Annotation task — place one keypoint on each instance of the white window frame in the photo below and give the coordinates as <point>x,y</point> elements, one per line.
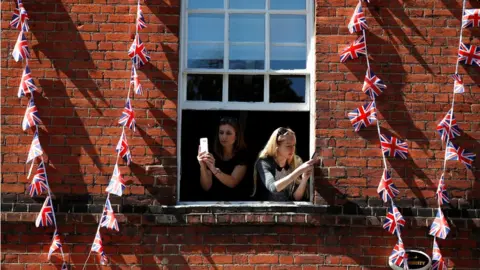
<point>309,72</point>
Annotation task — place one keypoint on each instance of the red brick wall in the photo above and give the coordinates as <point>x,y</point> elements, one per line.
<point>80,63</point>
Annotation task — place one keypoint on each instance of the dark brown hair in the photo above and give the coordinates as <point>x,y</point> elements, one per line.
<point>239,141</point>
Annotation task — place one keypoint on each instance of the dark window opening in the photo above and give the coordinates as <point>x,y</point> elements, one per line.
<point>257,126</point>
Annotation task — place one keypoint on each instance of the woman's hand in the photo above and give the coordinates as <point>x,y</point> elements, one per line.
<point>307,174</point>
<point>209,162</point>
<point>200,158</point>
<point>305,167</point>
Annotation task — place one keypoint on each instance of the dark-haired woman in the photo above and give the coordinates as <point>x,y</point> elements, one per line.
<point>222,171</point>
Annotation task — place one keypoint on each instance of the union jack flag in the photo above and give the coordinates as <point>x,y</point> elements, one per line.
<point>27,86</point>
<point>373,85</point>
<point>56,244</point>
<point>137,87</point>
<point>470,54</point>
<point>363,116</point>
<point>20,18</point>
<point>393,147</point>
<point>21,51</point>
<point>438,263</point>
<point>394,220</point>
<point>138,52</point>
<point>39,181</point>
<point>98,245</point>
<point>354,50</point>
<point>45,218</point>
<point>357,22</point>
<point>471,18</point>
<point>117,183</point>
<point>458,86</point>
<point>140,19</point>
<point>31,117</point>
<point>446,128</point>
<point>442,195</point>
<point>459,153</point>
<point>386,188</point>
<point>122,147</point>
<point>128,116</point>
<point>35,148</point>
<point>398,256</point>
<point>108,219</point>
<point>439,226</point>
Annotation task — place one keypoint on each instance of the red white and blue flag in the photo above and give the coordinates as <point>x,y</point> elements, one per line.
<point>20,18</point>
<point>354,50</point>
<point>27,86</point>
<point>438,263</point>
<point>31,117</point>
<point>21,51</point>
<point>56,244</point>
<point>398,256</point>
<point>123,149</point>
<point>138,52</point>
<point>39,181</point>
<point>469,54</point>
<point>35,148</point>
<point>108,219</point>
<point>358,22</point>
<point>117,183</point>
<point>363,116</point>
<point>141,24</point>
<point>128,116</point>
<point>439,226</point>
<point>45,218</point>
<point>448,127</point>
<point>393,147</point>
<point>137,87</point>
<point>373,85</point>
<point>98,244</point>
<point>458,87</point>
<point>459,153</point>
<point>471,18</point>
<point>386,188</point>
<point>394,221</point>
<point>442,195</point>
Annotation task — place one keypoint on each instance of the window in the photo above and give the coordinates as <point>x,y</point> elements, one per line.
<point>252,59</point>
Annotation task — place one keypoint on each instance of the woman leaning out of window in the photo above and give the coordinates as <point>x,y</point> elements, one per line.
<point>282,174</point>
<point>222,170</point>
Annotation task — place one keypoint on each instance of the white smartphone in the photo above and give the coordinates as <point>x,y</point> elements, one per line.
<point>203,145</point>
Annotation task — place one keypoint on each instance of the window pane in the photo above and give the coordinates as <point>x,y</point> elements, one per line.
<point>287,89</point>
<point>245,88</point>
<point>287,4</point>
<point>204,87</point>
<point>206,27</point>
<point>205,4</point>
<point>288,57</point>
<point>288,28</point>
<point>247,28</point>
<point>250,4</point>
<point>247,56</point>
<point>205,55</point>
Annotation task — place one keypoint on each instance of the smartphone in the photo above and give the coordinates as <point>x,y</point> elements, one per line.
<point>203,145</point>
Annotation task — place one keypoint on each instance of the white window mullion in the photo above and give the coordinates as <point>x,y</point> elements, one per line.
<point>226,53</point>
<point>266,78</point>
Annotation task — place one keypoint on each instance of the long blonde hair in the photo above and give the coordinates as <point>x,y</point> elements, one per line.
<point>270,150</point>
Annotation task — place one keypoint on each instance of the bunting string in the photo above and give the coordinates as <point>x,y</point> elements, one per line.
<point>449,130</point>
<point>39,185</point>
<point>116,186</point>
<point>390,146</point>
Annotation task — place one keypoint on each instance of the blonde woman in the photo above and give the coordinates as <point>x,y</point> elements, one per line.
<point>279,173</point>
